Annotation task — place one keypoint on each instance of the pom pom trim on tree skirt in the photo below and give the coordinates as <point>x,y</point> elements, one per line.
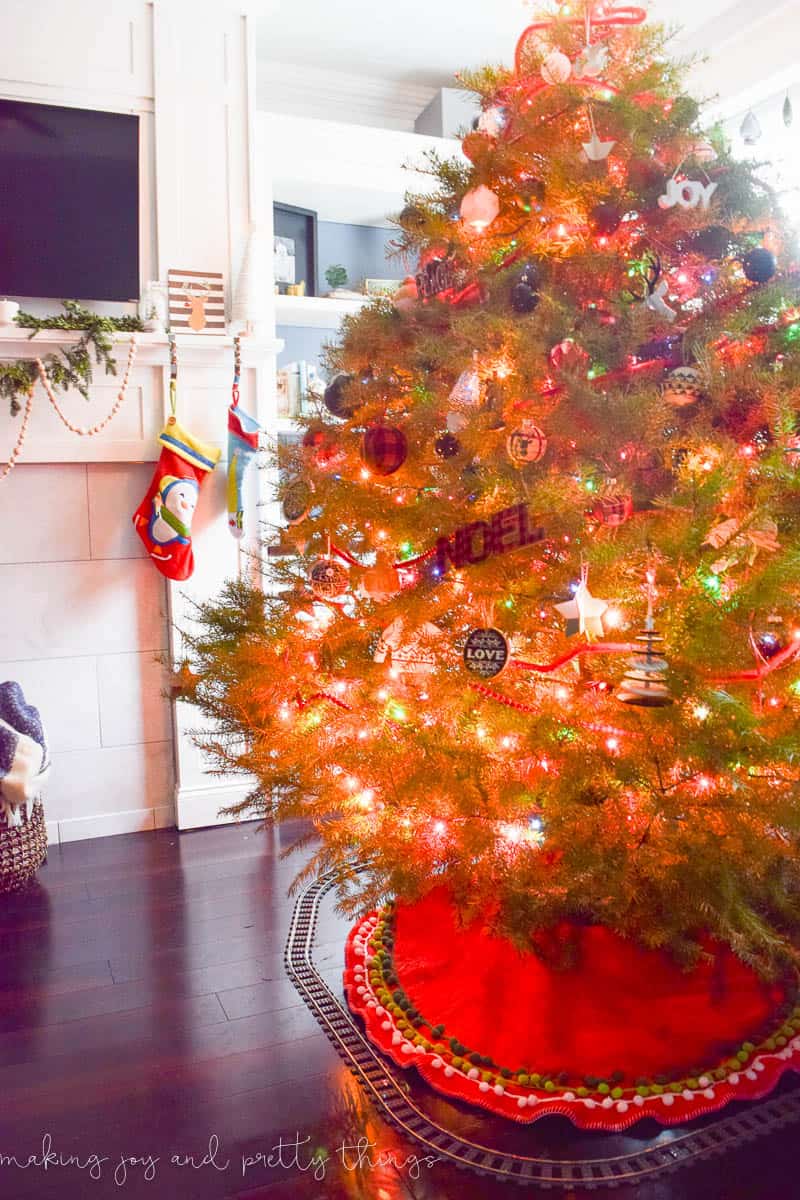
<point>373,981</point>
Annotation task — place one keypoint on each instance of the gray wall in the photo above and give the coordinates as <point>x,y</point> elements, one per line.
<point>361,250</point>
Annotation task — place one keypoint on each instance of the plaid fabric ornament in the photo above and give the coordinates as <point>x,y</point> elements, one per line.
<point>384,449</point>
<point>613,510</point>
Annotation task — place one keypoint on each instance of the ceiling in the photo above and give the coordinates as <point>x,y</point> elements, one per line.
<point>424,42</point>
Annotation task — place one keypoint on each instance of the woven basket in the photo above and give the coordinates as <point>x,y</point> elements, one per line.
<point>23,849</point>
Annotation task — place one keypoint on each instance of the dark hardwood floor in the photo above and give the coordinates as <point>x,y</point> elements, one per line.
<point>145,1012</point>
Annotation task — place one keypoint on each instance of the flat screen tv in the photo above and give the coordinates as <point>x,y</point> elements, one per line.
<point>69,203</point>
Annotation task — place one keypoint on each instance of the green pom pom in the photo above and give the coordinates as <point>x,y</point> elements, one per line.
<point>523,1080</point>
<point>582,1092</point>
<point>536,1079</point>
<point>549,1086</point>
<point>644,1090</point>
<point>603,1089</point>
<point>616,1094</point>
<point>486,1077</point>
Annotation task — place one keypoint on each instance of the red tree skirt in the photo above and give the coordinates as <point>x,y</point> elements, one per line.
<point>621,1035</point>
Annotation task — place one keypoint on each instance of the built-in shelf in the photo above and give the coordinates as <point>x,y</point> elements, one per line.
<point>315,312</point>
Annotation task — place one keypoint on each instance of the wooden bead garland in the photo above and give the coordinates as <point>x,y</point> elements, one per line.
<point>15,453</point>
<point>101,425</point>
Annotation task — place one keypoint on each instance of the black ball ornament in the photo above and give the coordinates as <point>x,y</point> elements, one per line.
<point>759,265</point>
<point>523,298</point>
<point>446,445</point>
<point>714,242</point>
<point>337,399</point>
<point>412,217</point>
<point>605,219</point>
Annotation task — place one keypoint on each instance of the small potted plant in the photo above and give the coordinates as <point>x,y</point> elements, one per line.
<point>336,277</point>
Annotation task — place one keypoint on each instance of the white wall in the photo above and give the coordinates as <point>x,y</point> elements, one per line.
<point>84,621</point>
<point>84,614</point>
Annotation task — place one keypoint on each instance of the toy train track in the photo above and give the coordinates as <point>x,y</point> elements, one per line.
<point>384,1086</point>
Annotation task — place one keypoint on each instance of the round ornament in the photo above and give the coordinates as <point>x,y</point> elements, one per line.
<point>296,501</point>
<point>713,242</point>
<point>380,582</point>
<point>412,217</point>
<point>759,265</point>
<point>523,298</point>
<point>527,444</point>
<point>479,208</point>
<point>447,445</point>
<point>406,295</point>
<point>322,446</point>
<point>328,579</point>
<point>613,510</point>
<point>556,68</point>
<point>384,449</point>
<point>768,643</point>
<point>683,386</point>
<point>605,219</point>
<point>493,121</point>
<point>568,356</point>
<point>336,399</point>
<point>485,652</point>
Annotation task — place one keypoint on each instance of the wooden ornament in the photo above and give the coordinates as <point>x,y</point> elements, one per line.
<point>485,652</point>
<point>527,444</point>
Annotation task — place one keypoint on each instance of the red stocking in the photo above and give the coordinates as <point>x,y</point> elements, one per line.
<point>164,518</point>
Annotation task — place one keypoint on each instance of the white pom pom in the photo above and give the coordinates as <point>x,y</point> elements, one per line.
<point>407,1048</point>
<point>570,1096</point>
<point>436,1063</point>
<point>668,1099</point>
<point>361,991</point>
<point>473,1073</point>
<point>386,1025</point>
<point>590,1103</point>
<point>758,1065</point>
<point>750,1075</point>
<point>687,1095</point>
<point>608,1102</point>
<point>704,1081</point>
<point>533,1101</point>
<point>638,1101</point>
<point>483,1086</point>
<point>499,1090</point>
<point>733,1079</point>
<point>522,1102</point>
<point>449,1071</point>
<point>397,1038</point>
<point>709,1093</point>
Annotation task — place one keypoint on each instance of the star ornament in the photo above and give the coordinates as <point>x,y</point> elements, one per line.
<point>595,150</point>
<point>584,612</point>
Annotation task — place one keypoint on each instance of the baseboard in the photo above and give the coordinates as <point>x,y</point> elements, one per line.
<point>137,820</point>
<point>199,807</point>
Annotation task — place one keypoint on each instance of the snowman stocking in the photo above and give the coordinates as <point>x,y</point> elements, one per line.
<point>243,433</point>
<point>164,518</point>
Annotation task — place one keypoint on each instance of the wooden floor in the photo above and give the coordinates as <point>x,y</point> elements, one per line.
<point>144,1011</point>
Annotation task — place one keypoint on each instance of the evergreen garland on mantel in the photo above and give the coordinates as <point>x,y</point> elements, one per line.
<point>71,366</point>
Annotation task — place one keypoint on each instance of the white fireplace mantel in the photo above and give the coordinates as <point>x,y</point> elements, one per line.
<point>187,69</point>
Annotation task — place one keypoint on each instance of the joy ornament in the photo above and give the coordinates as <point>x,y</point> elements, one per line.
<point>688,193</point>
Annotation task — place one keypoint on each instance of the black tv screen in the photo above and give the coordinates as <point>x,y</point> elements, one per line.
<point>69,203</point>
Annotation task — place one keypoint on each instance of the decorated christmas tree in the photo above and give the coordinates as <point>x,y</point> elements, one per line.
<point>532,658</point>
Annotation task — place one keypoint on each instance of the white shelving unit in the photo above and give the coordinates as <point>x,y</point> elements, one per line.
<point>315,312</point>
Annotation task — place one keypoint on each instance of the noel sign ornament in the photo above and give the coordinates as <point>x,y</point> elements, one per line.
<point>485,652</point>
<point>687,193</point>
